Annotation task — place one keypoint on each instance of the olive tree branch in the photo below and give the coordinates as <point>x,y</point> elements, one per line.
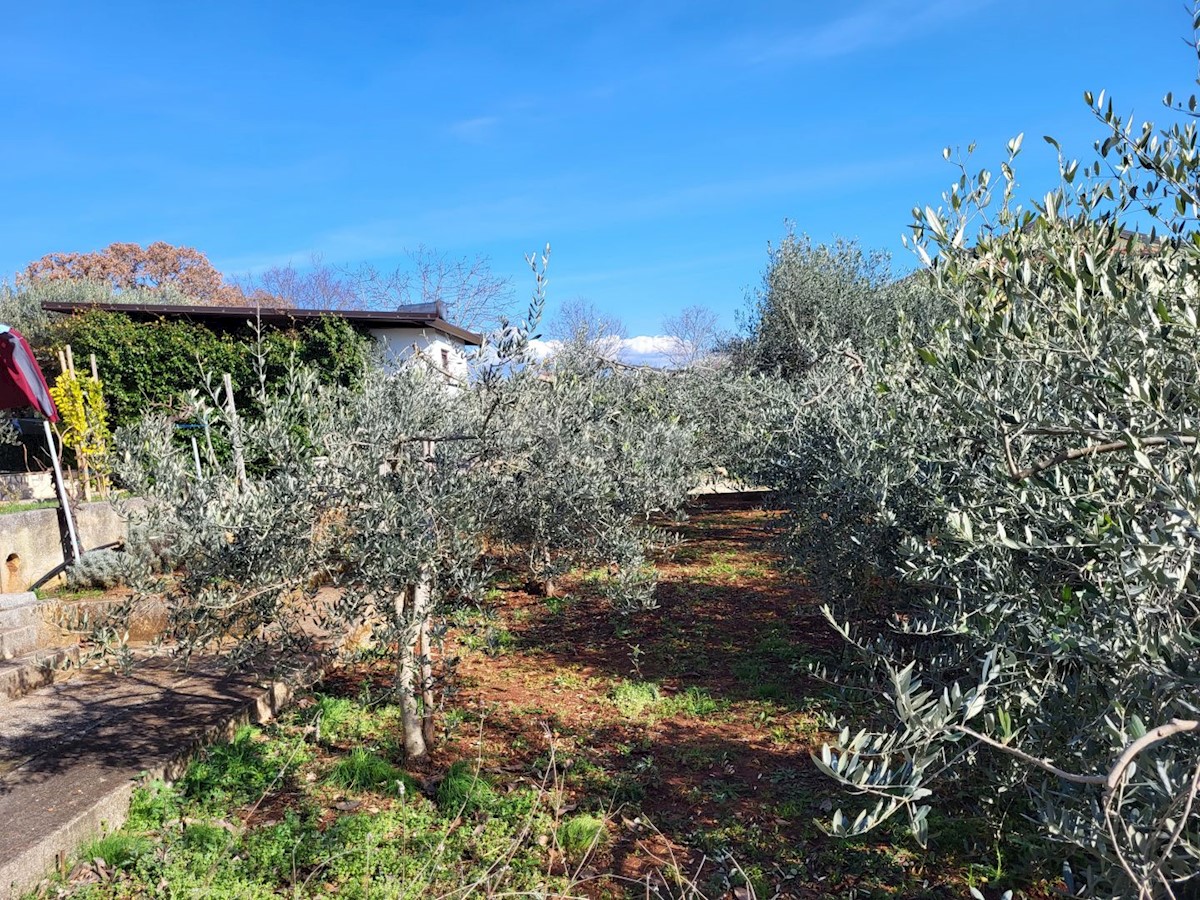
<point>1063,456</point>
<point>1110,781</point>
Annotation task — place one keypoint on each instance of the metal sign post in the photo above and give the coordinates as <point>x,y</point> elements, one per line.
<point>61,489</point>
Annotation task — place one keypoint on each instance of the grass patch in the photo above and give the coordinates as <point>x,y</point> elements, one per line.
<point>635,698</point>
<point>152,805</point>
<point>342,721</point>
<point>559,603</point>
<point>594,576</point>
<point>363,770</point>
<point>581,834</point>
<point>205,839</point>
<point>465,790</point>
<point>729,565</point>
<point>241,771</point>
<point>70,595</point>
<point>119,850</point>
<point>334,714</point>
<point>490,639</point>
<point>19,506</point>
<point>694,702</point>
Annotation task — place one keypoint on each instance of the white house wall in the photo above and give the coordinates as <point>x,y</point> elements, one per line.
<point>402,344</point>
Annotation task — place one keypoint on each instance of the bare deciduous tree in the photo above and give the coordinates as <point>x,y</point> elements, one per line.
<point>472,294</point>
<point>579,323</point>
<point>320,286</point>
<point>694,333</point>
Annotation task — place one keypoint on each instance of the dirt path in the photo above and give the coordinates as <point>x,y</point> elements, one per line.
<point>697,717</point>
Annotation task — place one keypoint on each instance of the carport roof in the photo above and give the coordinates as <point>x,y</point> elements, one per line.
<point>420,315</point>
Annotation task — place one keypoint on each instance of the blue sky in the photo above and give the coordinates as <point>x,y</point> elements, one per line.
<point>658,146</point>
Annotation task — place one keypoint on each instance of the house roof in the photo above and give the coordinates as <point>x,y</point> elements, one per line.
<point>428,316</point>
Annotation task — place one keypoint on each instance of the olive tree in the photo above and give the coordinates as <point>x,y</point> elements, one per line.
<point>338,513</point>
<point>1031,470</point>
<point>591,455</point>
<point>818,299</point>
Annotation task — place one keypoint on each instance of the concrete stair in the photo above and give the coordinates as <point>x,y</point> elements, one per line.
<point>27,673</point>
<point>19,611</point>
<point>19,641</point>
<point>72,753</point>
<point>33,650</point>
<point>73,750</point>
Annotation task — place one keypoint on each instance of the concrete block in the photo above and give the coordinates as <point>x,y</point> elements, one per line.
<point>19,641</point>
<point>27,673</point>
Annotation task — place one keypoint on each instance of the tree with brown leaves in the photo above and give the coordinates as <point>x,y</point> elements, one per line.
<point>126,266</point>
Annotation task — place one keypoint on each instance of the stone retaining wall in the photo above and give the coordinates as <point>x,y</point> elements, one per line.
<point>31,549</point>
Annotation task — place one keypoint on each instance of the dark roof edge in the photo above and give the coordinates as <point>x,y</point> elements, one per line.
<point>424,315</point>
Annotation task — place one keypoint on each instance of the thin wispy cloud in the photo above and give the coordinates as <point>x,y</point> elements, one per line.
<point>874,25</point>
<point>477,129</point>
<point>532,208</point>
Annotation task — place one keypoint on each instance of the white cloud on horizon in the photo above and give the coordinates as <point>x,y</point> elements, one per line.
<point>649,350</point>
<point>641,350</point>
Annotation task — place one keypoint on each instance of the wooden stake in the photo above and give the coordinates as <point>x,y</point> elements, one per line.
<point>424,653</point>
<point>208,444</point>
<point>235,432</point>
<point>196,456</point>
<point>95,374</point>
<point>70,360</point>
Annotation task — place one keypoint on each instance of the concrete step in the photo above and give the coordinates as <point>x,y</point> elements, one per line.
<point>20,641</point>
<point>21,616</point>
<point>26,673</point>
<point>7,601</point>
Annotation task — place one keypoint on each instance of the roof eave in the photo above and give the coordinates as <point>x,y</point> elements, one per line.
<point>423,315</point>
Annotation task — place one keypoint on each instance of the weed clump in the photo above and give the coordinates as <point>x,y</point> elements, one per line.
<point>152,805</point>
<point>118,850</point>
<point>633,698</point>
<point>694,702</point>
<point>240,771</point>
<point>337,718</point>
<point>581,834</point>
<point>363,770</point>
<point>205,840</point>
<point>465,789</point>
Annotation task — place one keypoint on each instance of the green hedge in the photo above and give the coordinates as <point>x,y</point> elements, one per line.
<point>146,365</point>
